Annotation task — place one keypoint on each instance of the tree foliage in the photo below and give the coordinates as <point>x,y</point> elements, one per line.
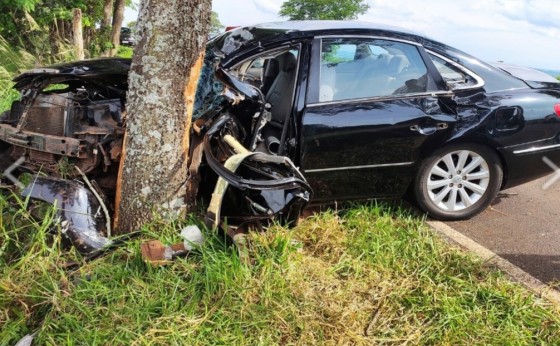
<point>323,9</point>
<point>215,24</point>
<point>44,27</point>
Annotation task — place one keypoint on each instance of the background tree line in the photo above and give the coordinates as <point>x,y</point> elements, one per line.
<point>44,27</point>
<point>323,9</point>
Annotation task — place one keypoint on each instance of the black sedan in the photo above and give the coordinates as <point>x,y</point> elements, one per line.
<point>313,111</point>
<point>368,111</point>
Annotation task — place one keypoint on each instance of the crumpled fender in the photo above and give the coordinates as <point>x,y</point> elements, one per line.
<point>79,211</point>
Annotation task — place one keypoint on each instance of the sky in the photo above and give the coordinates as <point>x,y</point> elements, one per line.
<point>521,32</point>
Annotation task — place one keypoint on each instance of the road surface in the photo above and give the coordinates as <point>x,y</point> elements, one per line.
<point>522,226</point>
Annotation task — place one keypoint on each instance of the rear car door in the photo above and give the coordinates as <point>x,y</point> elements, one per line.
<point>372,105</point>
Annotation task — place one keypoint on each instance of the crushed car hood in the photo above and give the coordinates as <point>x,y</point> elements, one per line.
<point>114,70</point>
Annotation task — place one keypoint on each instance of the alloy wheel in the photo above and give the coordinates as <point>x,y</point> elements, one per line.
<point>458,180</point>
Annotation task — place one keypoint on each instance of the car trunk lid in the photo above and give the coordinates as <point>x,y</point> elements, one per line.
<point>534,78</point>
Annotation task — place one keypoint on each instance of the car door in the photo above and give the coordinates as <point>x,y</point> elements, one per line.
<point>373,104</point>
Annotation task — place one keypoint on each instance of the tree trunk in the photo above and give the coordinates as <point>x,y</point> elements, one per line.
<point>105,29</point>
<point>78,34</point>
<point>162,82</point>
<point>107,12</point>
<point>63,28</point>
<point>118,15</point>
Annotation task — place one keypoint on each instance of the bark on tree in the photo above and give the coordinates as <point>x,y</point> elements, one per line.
<point>78,34</point>
<point>105,30</point>
<point>118,15</point>
<point>162,82</point>
<point>107,14</point>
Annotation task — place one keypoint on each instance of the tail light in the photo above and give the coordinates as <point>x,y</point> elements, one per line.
<point>557,109</point>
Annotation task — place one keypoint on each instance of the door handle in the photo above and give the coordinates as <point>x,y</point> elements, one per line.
<point>428,130</point>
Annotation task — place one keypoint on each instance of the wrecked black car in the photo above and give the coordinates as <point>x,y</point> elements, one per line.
<point>314,111</point>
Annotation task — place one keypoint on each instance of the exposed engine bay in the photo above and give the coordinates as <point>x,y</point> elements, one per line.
<point>68,127</point>
<point>67,122</point>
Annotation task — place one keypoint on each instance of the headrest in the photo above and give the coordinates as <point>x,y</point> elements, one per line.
<point>397,64</point>
<point>286,61</point>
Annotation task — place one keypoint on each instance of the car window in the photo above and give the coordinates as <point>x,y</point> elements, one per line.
<point>250,71</point>
<point>452,75</point>
<point>253,74</point>
<point>360,68</point>
<point>260,71</point>
<point>333,54</point>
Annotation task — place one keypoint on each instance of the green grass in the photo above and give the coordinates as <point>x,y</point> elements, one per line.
<point>125,52</point>
<point>12,61</point>
<point>368,275</point>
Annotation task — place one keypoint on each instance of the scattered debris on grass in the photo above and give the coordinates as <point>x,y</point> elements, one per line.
<point>154,252</point>
<point>366,275</point>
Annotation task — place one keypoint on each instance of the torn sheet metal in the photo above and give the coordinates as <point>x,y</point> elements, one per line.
<point>213,213</point>
<point>79,211</point>
<point>70,115</point>
<point>251,186</point>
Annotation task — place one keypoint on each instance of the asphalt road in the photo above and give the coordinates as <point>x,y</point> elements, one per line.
<point>522,226</point>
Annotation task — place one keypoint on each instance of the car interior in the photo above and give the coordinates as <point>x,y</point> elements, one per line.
<point>361,69</point>
<point>281,91</point>
<point>274,74</point>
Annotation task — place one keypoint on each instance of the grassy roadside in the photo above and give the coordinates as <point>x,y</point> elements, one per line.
<point>11,61</point>
<point>368,275</point>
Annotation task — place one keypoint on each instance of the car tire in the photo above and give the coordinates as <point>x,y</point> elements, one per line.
<point>458,181</point>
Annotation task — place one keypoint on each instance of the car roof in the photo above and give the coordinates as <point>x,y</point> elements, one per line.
<point>235,45</point>
<point>245,39</point>
<point>337,25</point>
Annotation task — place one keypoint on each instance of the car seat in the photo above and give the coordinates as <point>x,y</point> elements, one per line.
<point>282,89</point>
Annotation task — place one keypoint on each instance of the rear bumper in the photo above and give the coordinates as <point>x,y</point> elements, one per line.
<point>530,161</point>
